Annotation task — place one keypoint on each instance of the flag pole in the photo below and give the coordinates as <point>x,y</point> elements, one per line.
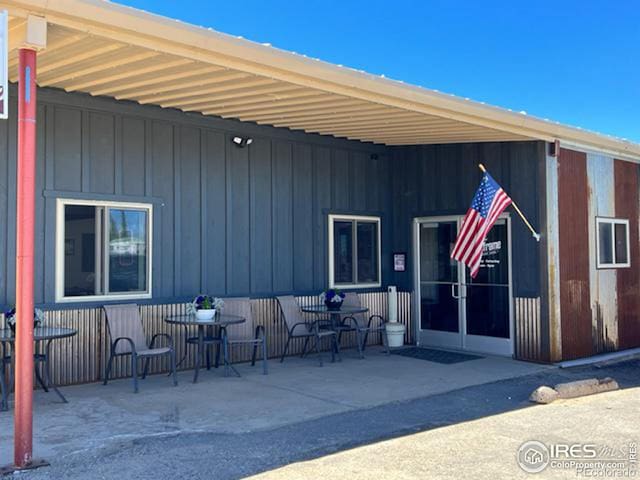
<point>535,234</point>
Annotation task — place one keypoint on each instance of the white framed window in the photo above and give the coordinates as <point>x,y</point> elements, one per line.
<point>354,251</point>
<point>103,250</point>
<point>612,240</point>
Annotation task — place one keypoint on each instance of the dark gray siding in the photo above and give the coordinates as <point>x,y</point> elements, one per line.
<point>251,221</point>
<point>433,180</point>
<point>227,221</point>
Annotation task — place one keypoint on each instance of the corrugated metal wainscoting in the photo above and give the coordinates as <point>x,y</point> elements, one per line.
<point>82,358</point>
<point>527,317</point>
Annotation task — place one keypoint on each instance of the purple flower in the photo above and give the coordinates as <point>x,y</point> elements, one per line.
<point>333,295</point>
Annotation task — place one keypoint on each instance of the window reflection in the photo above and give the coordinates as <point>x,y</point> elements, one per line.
<point>80,250</point>
<point>127,250</point>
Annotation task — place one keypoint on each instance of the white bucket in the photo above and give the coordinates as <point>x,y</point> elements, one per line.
<point>395,334</point>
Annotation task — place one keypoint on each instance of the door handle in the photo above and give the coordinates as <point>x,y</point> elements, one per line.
<point>453,291</point>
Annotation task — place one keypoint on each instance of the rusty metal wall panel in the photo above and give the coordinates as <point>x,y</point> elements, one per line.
<point>528,335</point>
<point>575,302</point>
<point>602,282</point>
<point>627,203</point>
<point>551,322</point>
<point>82,358</point>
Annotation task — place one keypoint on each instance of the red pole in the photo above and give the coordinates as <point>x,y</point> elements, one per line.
<point>23,435</point>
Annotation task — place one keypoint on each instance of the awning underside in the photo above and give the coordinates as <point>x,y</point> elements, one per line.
<point>80,62</point>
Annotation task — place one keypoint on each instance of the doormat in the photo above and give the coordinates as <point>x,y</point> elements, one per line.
<point>437,356</point>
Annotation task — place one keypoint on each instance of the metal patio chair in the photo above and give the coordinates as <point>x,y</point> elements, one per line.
<point>5,361</point>
<point>128,338</point>
<point>356,323</point>
<point>297,327</point>
<point>247,333</point>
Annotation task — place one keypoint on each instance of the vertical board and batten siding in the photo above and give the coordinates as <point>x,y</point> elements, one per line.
<point>602,282</point>
<point>575,301</point>
<point>251,221</point>
<point>435,180</point>
<point>82,358</point>
<point>627,205</point>
<point>227,220</point>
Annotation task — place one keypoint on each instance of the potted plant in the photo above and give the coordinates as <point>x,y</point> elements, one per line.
<point>10,318</point>
<point>333,298</point>
<point>204,307</point>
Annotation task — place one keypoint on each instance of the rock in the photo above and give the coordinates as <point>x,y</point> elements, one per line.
<point>543,394</point>
<point>589,386</point>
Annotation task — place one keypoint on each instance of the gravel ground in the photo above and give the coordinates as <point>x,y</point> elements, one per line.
<point>229,456</point>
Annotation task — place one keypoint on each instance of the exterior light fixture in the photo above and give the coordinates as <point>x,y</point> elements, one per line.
<point>242,142</point>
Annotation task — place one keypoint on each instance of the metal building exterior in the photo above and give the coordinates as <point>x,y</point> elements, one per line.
<point>139,113</point>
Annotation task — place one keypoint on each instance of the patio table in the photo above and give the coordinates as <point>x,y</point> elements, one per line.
<point>43,337</point>
<point>219,322</point>
<point>335,315</point>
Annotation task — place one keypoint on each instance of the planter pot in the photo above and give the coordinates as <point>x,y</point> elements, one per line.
<point>333,306</point>
<point>395,334</point>
<point>206,314</point>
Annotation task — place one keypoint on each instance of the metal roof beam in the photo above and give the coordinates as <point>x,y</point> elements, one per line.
<point>299,98</point>
<point>101,65</point>
<point>117,89</point>
<point>275,105</point>
<point>364,111</point>
<point>92,81</point>
<point>386,120</point>
<point>201,101</point>
<point>414,128</point>
<point>66,60</point>
<point>183,89</point>
<point>342,106</point>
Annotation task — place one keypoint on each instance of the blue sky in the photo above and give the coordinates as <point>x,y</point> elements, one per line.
<point>577,62</point>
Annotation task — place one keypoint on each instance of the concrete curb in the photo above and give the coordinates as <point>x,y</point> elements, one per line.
<point>602,359</point>
<point>578,388</point>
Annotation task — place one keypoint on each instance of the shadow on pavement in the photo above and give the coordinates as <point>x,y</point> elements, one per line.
<point>230,456</point>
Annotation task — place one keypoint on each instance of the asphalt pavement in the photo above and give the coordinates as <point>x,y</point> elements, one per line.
<point>238,455</point>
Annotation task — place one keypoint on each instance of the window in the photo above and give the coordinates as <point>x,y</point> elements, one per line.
<point>103,250</point>
<point>354,251</point>
<point>612,240</point>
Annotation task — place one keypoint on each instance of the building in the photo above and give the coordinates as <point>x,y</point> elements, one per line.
<point>174,160</point>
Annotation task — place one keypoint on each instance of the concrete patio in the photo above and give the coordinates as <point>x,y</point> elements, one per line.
<point>295,391</point>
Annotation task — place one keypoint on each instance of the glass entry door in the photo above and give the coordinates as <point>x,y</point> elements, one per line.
<point>439,285</point>
<point>454,310</point>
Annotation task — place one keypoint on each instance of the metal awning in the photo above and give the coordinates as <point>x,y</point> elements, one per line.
<point>102,48</point>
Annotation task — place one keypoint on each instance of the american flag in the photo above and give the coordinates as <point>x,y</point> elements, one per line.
<point>488,203</point>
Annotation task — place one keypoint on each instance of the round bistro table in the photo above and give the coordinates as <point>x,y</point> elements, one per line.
<point>220,322</point>
<point>42,337</point>
<point>335,323</point>
<point>334,315</point>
